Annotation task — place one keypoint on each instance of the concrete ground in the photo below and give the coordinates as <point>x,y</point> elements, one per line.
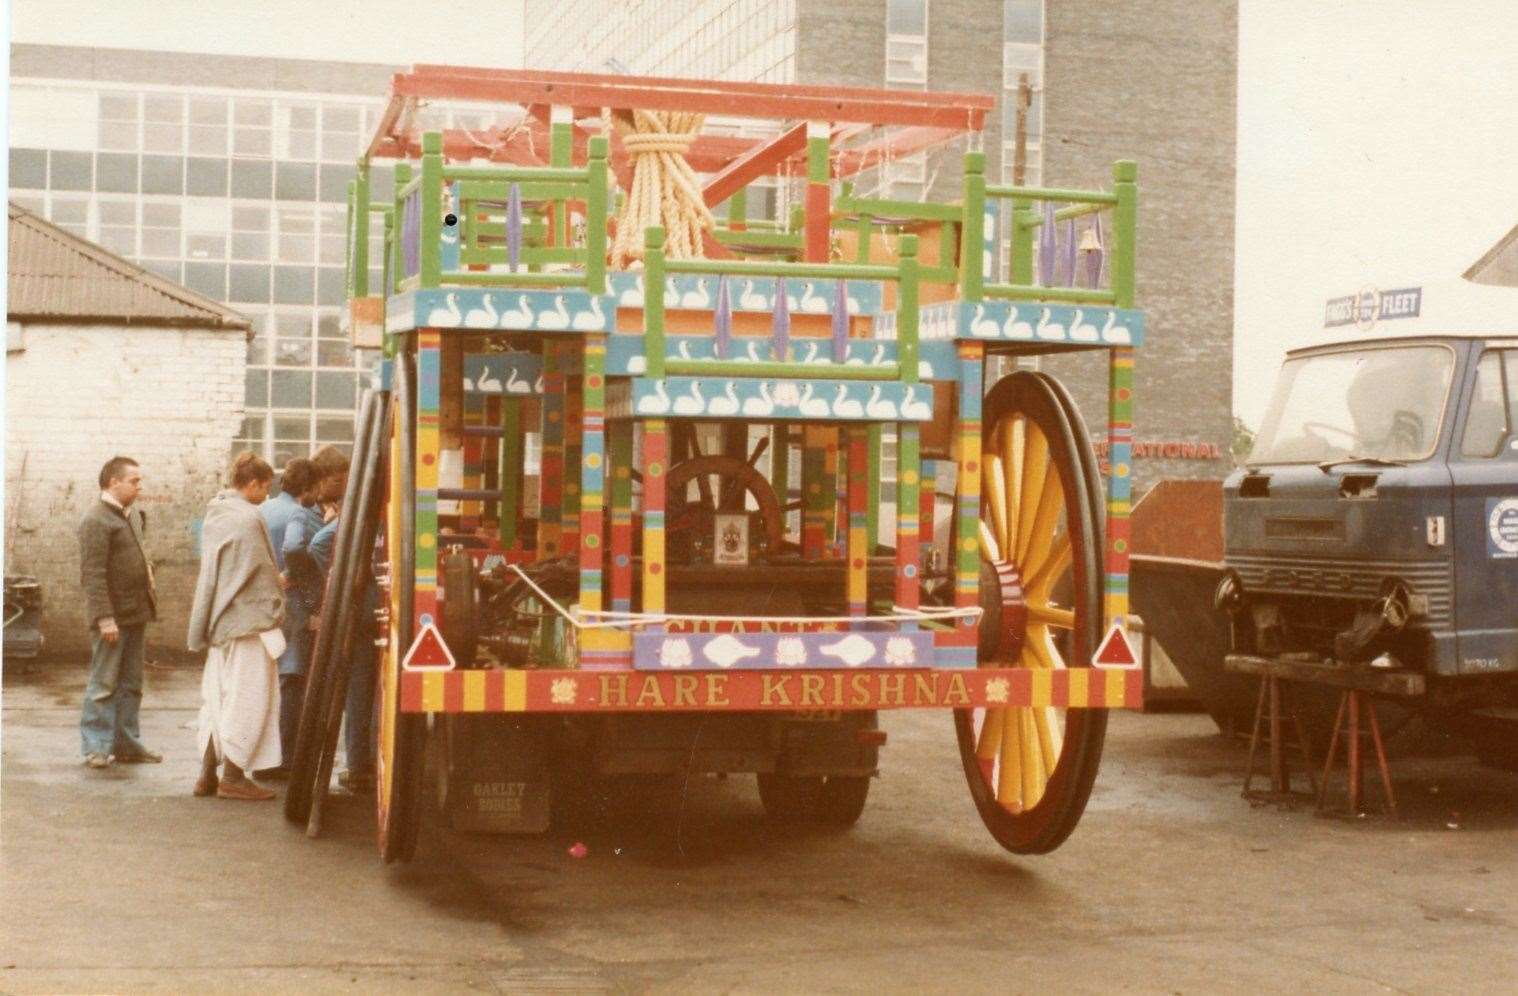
<point>121,881</point>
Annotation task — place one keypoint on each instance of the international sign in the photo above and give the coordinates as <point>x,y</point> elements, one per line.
<point>1370,306</point>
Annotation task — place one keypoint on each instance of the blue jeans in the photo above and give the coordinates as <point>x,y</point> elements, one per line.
<point>108,724</point>
<point>358,710</point>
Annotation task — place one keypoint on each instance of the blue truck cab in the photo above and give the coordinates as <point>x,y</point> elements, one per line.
<point>1384,482</point>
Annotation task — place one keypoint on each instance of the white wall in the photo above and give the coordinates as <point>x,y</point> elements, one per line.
<point>77,395</point>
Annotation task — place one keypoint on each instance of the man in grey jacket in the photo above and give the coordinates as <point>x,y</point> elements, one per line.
<point>119,603</point>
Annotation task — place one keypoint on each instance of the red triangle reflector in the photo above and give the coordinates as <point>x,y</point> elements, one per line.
<point>1115,650</point>
<point>428,652</point>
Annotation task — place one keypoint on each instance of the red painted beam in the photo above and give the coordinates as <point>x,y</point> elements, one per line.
<point>760,161</point>
<point>885,107</point>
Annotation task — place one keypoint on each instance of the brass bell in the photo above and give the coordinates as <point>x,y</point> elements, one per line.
<point>1090,241</point>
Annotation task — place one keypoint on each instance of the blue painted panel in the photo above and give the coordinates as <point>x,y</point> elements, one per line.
<point>504,310</point>
<point>936,361</point>
<point>771,400</point>
<point>1059,323</point>
<point>781,651</point>
<point>699,292</point>
<point>517,372</point>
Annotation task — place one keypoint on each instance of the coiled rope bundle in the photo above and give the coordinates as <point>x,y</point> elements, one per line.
<point>664,188</point>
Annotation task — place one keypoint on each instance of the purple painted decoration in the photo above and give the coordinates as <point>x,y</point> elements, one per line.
<point>722,319</point>
<point>780,331</point>
<point>1048,247</point>
<point>1069,254</point>
<point>514,226</point>
<point>411,235</point>
<point>1095,257</point>
<point>840,322</point>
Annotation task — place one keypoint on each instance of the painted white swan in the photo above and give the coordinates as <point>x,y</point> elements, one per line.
<point>1048,329</point>
<point>488,384</point>
<point>812,407</point>
<point>483,317</point>
<point>519,317</point>
<point>762,405</point>
<point>749,300</point>
<point>698,298</point>
<point>556,319</point>
<point>1081,330</point>
<point>845,406</point>
<point>692,403</point>
<point>982,327</point>
<point>811,301</point>
<point>650,404</point>
<point>1017,328</point>
<point>516,385</point>
<point>725,403</point>
<point>913,408</point>
<point>878,409</point>
<point>1118,333</point>
<point>446,316</point>
<point>592,320</point>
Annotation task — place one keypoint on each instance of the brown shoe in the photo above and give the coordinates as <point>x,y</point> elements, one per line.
<point>250,791</point>
<point>206,785</point>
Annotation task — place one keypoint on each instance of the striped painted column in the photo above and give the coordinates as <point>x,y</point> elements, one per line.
<point>967,511</point>
<point>551,475</point>
<point>574,415</point>
<point>816,492</point>
<point>908,539</point>
<point>592,465</point>
<point>1119,483</point>
<point>859,523</point>
<point>429,370</point>
<point>474,461</point>
<point>620,439</point>
<point>655,467</point>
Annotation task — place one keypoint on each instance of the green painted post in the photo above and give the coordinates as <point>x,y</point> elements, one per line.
<point>397,257</point>
<point>1124,223</point>
<point>653,302</point>
<point>350,275</point>
<point>511,470</point>
<point>360,254</point>
<point>595,218</point>
<point>388,253</point>
<point>906,310</point>
<point>972,230</point>
<point>560,155</point>
<point>432,210</point>
<point>737,210</point>
<point>1023,216</point>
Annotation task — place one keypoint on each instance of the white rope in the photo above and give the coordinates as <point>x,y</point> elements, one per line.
<point>612,619</point>
<point>665,190</point>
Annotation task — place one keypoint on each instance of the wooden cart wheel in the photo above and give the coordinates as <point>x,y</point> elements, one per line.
<point>723,484</point>
<point>1030,769</point>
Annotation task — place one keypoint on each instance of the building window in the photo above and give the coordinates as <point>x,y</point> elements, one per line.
<point>29,168</point>
<point>297,235</point>
<point>206,177</point>
<point>252,179</point>
<point>208,126</point>
<point>162,174</point>
<point>115,172</point>
<point>252,128</point>
<point>341,139</point>
<point>292,343</point>
<point>906,43</point>
<point>118,227</point>
<point>297,132</point>
<point>250,232</point>
<point>163,123</point>
<point>120,118</point>
<point>70,170</point>
<point>205,228</point>
<point>160,230</point>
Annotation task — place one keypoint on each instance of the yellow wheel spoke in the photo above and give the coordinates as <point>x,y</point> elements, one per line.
<point>990,735</point>
<point>1034,777</point>
<point>1051,504</point>
<point>988,547</point>
<point>1009,782</point>
<point>1038,579</point>
<point>1035,474</point>
<point>1014,439</point>
<point>1048,738</point>
<point>996,499</point>
<point>1049,615</point>
<point>1036,646</point>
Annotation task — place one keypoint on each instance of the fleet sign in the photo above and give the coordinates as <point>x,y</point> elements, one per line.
<point>1369,306</point>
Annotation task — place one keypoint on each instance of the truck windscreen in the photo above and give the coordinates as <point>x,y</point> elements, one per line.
<point>1380,403</point>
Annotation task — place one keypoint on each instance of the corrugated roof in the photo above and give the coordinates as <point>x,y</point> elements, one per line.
<point>1499,265</point>
<point>55,276</point>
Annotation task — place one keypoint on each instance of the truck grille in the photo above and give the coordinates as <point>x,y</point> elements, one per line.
<point>1360,579</point>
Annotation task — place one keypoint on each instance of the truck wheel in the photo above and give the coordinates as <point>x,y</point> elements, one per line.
<point>830,801</point>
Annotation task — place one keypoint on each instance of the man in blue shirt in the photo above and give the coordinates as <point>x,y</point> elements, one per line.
<point>299,486</point>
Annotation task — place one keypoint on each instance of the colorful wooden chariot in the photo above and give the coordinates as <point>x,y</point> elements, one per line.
<point>713,513</point>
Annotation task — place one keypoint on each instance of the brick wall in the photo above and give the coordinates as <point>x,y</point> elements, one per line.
<point>75,396</point>
<point>1156,81</point>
